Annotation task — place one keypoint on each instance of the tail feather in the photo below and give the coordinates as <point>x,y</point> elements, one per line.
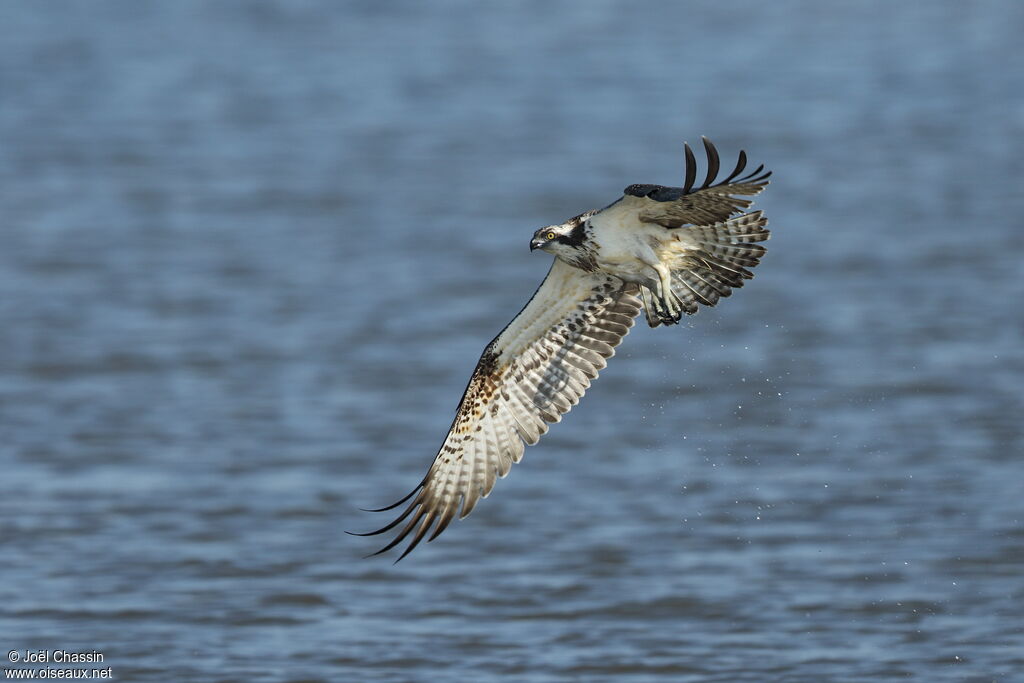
<point>717,259</point>
<point>727,269</point>
<point>690,287</point>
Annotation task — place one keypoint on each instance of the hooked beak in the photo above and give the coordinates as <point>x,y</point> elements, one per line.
<point>537,243</point>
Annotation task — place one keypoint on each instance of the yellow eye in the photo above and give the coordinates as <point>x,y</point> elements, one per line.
<point>549,236</point>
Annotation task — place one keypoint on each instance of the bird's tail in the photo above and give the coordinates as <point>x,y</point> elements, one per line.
<point>712,260</point>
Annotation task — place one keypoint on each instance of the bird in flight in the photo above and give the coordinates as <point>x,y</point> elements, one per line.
<point>660,250</point>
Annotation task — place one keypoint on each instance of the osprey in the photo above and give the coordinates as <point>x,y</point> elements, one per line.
<point>660,250</point>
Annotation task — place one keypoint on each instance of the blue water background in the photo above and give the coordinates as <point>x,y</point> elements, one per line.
<point>250,252</point>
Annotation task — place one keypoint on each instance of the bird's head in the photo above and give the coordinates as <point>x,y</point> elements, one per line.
<point>545,238</point>
<point>561,239</point>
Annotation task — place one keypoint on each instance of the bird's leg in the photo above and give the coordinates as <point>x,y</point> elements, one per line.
<point>667,305</point>
<point>654,305</point>
<point>653,316</point>
<point>670,304</point>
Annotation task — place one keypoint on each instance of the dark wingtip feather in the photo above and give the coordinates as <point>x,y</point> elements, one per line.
<point>394,505</point>
<point>750,175</point>
<point>397,539</point>
<point>403,533</point>
<point>713,162</point>
<point>370,533</point>
<point>445,519</point>
<point>389,526</point>
<point>741,163</point>
<point>691,168</point>
<point>383,550</point>
<point>428,521</point>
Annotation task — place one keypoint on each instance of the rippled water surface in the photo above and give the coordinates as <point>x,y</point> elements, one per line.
<point>251,252</point>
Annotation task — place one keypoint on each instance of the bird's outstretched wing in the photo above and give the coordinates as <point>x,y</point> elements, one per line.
<point>529,376</point>
<point>710,203</point>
